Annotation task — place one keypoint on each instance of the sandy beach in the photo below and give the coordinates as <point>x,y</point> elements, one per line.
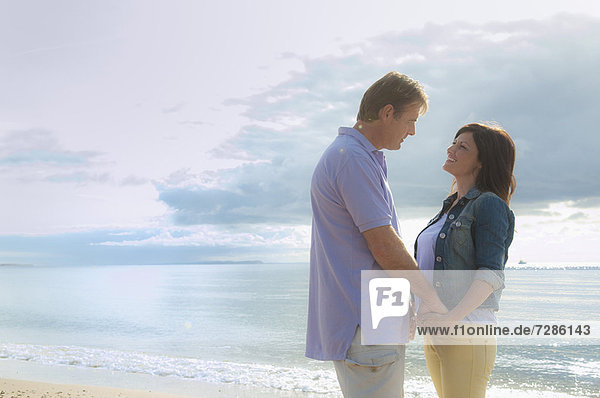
<point>31,389</point>
<point>10,388</point>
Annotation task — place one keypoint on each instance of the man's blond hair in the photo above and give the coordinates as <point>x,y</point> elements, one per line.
<point>395,89</point>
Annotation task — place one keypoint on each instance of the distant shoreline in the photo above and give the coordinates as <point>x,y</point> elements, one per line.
<point>228,262</point>
<point>217,262</point>
<point>15,265</point>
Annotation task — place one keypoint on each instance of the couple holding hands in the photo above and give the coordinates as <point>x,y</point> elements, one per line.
<point>355,228</point>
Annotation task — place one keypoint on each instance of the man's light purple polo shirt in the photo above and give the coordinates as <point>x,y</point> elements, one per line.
<point>349,195</point>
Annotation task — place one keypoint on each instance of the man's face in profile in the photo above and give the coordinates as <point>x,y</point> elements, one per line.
<point>397,129</point>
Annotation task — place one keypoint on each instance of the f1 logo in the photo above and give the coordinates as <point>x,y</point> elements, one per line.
<point>389,297</point>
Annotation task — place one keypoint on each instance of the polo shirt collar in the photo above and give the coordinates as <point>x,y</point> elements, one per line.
<point>358,135</point>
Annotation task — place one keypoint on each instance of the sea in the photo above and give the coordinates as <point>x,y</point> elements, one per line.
<point>245,324</point>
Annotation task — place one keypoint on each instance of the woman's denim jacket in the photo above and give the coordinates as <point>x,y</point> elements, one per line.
<point>475,236</point>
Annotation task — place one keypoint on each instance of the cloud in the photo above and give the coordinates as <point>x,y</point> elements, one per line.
<point>37,146</point>
<point>132,180</point>
<point>588,202</point>
<point>165,245</point>
<point>210,236</point>
<point>579,216</point>
<point>536,78</point>
<point>253,193</point>
<point>175,108</point>
<point>37,155</point>
<point>78,177</point>
<point>195,123</point>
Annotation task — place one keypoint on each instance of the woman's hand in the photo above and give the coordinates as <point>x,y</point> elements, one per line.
<point>434,319</point>
<point>426,317</point>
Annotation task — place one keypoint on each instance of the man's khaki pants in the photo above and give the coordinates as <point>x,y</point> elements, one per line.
<point>374,371</point>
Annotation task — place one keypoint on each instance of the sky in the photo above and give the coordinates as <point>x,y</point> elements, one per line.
<point>136,132</point>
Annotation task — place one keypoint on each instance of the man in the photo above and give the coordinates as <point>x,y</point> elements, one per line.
<point>355,228</point>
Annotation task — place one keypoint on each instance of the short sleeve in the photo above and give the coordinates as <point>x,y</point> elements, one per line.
<point>363,190</point>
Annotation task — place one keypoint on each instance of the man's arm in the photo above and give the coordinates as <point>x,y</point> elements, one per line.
<point>389,250</point>
<point>390,253</point>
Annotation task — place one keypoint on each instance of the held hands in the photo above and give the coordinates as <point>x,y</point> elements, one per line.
<point>433,319</point>
<point>476,295</point>
<point>436,306</point>
<point>430,304</point>
<point>427,315</point>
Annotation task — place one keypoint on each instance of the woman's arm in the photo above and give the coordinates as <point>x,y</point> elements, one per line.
<point>475,296</point>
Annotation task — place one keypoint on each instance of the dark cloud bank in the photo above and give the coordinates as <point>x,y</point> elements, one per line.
<point>537,78</point>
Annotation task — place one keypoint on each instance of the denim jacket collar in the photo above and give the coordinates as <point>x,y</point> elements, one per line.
<point>473,193</point>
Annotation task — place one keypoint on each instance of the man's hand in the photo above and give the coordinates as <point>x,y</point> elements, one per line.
<point>427,316</point>
<point>434,319</point>
<point>434,306</point>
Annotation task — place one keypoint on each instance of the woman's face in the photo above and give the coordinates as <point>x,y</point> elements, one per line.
<point>463,157</point>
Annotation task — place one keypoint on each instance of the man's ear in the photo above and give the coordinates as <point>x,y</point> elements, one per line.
<point>386,112</point>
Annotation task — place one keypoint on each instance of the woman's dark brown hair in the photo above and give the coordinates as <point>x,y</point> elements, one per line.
<point>497,157</point>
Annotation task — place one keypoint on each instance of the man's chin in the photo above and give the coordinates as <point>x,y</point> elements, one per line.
<point>393,147</point>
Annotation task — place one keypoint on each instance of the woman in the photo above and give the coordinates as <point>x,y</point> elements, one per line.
<point>472,232</point>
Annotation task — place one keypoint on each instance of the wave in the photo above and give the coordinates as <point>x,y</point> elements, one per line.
<point>260,375</point>
<point>320,382</point>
